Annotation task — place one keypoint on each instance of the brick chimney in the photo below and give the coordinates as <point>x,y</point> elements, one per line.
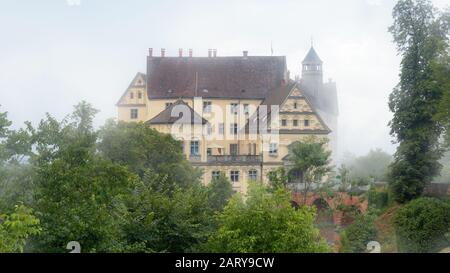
<point>180,52</point>
<point>209,53</point>
<point>150,52</point>
<point>214,53</point>
<point>245,53</point>
<point>190,52</point>
<point>163,52</point>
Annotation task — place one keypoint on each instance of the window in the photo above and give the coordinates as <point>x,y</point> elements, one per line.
<point>133,113</point>
<point>306,122</point>
<point>207,107</point>
<point>221,128</point>
<point>273,149</point>
<point>168,104</point>
<point>139,95</point>
<point>234,108</point>
<point>234,176</point>
<point>295,105</point>
<point>233,128</point>
<point>253,174</point>
<point>246,110</point>
<point>234,149</point>
<point>209,151</point>
<point>215,174</point>
<point>252,149</point>
<point>195,147</point>
<point>295,122</point>
<point>209,129</point>
<point>131,95</point>
<point>283,122</point>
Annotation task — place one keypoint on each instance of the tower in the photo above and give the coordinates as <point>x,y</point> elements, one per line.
<point>312,76</point>
<point>323,95</point>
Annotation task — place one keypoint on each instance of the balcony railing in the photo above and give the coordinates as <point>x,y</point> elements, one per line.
<point>195,158</point>
<point>234,158</point>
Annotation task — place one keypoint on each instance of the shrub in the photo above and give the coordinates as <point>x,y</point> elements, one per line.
<point>378,199</point>
<point>421,225</point>
<point>355,237</point>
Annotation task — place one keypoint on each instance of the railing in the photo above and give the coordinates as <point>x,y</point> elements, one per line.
<point>195,158</point>
<point>234,158</point>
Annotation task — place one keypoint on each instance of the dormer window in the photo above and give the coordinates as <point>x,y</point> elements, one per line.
<point>295,105</point>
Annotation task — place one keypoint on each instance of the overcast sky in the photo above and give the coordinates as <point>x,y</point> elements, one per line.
<point>56,53</point>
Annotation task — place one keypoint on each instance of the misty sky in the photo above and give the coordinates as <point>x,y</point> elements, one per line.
<point>54,54</point>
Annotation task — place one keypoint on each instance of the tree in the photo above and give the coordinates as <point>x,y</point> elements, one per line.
<point>420,39</point>
<point>166,221</point>
<point>16,228</point>
<point>373,165</point>
<point>278,179</point>
<point>265,222</point>
<point>441,70</point>
<point>344,173</point>
<point>219,192</point>
<point>140,148</point>
<point>77,191</point>
<point>308,162</point>
<point>421,225</point>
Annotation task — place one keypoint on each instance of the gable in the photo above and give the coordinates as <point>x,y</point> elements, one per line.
<point>137,85</point>
<point>297,107</point>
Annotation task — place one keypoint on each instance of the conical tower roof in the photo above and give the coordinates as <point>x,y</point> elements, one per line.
<point>312,57</point>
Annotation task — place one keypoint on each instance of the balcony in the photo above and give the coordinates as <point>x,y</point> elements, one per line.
<point>251,159</point>
<point>195,158</point>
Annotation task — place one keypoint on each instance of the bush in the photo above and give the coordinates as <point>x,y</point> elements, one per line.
<point>265,222</point>
<point>422,224</point>
<point>378,199</point>
<point>355,237</point>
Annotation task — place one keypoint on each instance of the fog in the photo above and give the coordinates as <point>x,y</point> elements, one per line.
<point>56,53</point>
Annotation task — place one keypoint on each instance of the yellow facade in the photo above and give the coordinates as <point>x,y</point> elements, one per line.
<point>219,149</point>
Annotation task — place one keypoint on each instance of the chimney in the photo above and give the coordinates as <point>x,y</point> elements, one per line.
<point>150,52</point>
<point>163,52</point>
<point>190,52</point>
<point>180,52</point>
<point>245,53</point>
<point>209,53</point>
<point>214,53</point>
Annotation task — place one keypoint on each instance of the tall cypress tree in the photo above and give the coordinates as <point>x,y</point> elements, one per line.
<point>420,37</point>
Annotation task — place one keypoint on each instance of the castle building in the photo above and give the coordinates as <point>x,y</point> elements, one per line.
<point>233,115</point>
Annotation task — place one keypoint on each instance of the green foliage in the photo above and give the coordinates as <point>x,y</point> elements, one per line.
<point>76,190</point>
<point>219,192</point>
<point>308,161</point>
<point>163,221</point>
<point>378,199</point>
<point>355,237</point>
<point>278,179</point>
<point>16,228</point>
<point>265,223</point>
<point>420,39</point>
<point>141,148</point>
<point>373,165</point>
<point>441,72</point>
<point>421,225</point>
